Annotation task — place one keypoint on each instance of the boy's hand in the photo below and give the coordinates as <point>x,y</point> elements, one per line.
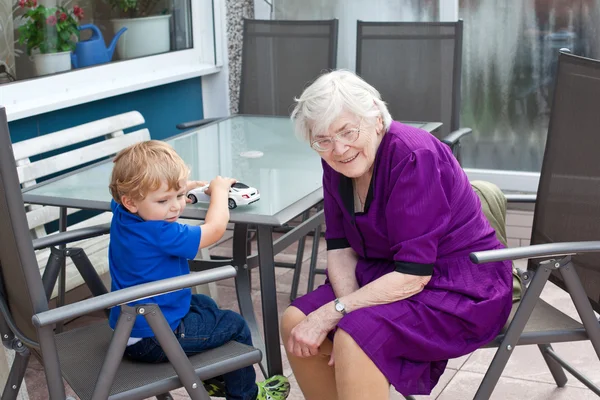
<point>193,185</point>
<point>220,183</point>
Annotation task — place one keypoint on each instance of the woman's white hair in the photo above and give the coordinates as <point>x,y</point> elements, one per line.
<point>332,94</point>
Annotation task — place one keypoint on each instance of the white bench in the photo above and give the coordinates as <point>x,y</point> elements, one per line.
<point>113,140</point>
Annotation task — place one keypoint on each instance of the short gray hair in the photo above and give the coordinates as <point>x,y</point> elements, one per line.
<point>331,94</point>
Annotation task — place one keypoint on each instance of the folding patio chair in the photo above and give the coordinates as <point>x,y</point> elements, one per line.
<point>566,234</point>
<point>416,66</point>
<point>90,358</point>
<point>279,59</point>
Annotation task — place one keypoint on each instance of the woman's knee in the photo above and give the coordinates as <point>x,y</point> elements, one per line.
<point>292,316</point>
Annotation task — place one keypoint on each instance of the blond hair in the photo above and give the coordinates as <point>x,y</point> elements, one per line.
<point>329,96</point>
<point>143,167</point>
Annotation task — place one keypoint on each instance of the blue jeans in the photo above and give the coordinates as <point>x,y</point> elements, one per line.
<point>205,327</point>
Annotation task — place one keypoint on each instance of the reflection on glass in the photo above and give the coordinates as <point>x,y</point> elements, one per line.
<point>286,171</point>
<point>349,11</point>
<point>43,37</point>
<point>510,52</point>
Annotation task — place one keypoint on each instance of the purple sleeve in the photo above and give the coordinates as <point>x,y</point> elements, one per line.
<point>334,228</point>
<point>417,213</point>
<point>179,240</point>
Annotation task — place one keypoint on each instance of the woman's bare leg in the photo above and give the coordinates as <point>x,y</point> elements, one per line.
<point>315,378</point>
<point>356,375</point>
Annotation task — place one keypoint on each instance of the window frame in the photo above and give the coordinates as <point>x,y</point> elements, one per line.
<point>35,96</point>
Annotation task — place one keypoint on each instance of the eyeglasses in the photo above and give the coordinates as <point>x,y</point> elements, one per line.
<point>346,137</point>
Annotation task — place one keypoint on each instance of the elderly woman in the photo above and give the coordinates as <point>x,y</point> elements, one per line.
<point>402,296</point>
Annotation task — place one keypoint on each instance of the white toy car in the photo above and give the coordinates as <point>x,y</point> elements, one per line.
<point>239,195</point>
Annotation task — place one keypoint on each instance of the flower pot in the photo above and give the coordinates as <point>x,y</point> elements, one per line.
<point>144,36</point>
<point>52,63</point>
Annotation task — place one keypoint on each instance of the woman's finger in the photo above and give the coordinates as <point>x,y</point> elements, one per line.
<point>331,359</point>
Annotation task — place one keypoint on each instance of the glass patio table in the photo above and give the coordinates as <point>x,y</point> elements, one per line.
<point>260,151</point>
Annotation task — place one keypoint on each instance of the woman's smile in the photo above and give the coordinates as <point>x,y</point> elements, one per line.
<point>347,160</point>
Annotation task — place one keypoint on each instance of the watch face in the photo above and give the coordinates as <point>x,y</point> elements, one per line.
<point>339,307</point>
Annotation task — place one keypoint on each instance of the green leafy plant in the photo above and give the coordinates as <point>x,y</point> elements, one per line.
<point>49,29</point>
<point>137,8</point>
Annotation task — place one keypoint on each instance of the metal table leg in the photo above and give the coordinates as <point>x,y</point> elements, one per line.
<point>243,288</point>
<point>269,300</point>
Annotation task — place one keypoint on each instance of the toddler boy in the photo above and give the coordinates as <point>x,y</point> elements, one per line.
<point>149,184</point>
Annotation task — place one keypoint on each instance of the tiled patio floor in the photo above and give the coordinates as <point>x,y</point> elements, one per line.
<point>525,377</point>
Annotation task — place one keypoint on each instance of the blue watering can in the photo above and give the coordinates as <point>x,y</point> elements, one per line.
<point>93,51</point>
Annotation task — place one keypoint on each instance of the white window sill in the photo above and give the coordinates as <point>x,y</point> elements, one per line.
<point>82,86</point>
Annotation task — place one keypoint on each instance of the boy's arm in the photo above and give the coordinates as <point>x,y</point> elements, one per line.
<point>217,216</point>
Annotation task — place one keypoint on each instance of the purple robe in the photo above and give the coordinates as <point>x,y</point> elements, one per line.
<point>421,217</point>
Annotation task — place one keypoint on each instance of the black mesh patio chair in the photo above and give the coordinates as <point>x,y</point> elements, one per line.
<point>90,358</point>
<point>279,59</point>
<point>565,240</point>
<point>416,66</point>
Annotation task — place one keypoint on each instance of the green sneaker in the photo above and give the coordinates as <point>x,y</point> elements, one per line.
<point>276,387</point>
<point>215,387</point>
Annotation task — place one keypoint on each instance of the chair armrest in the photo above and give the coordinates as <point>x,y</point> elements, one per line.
<point>196,124</point>
<point>70,236</point>
<point>521,198</point>
<point>535,251</point>
<point>130,294</point>
<point>454,137</point>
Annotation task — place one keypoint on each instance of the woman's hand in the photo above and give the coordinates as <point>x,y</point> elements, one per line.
<point>308,335</point>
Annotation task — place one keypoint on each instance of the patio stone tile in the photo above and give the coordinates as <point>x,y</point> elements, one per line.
<point>35,380</point>
<point>518,232</point>
<point>527,362</point>
<point>519,218</point>
<point>457,363</point>
<point>464,385</point>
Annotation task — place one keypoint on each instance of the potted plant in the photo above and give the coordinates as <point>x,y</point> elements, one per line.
<point>50,34</point>
<point>147,23</point>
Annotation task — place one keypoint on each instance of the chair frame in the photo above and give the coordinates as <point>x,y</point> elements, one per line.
<point>331,64</point>
<point>456,132</point>
<point>555,256</point>
<point>17,255</point>
<point>555,259</point>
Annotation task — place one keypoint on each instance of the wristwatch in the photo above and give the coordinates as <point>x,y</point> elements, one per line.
<point>340,307</point>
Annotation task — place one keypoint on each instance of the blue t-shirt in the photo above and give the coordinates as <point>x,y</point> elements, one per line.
<point>146,251</point>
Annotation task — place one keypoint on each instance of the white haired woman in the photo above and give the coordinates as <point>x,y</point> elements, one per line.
<point>402,296</point>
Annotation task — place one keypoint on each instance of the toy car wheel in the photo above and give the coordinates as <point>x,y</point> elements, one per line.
<point>193,198</point>
<point>231,204</point>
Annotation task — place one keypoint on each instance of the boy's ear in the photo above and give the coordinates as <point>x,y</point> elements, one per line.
<point>129,204</point>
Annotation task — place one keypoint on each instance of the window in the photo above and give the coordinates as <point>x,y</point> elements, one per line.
<point>510,53</point>
<point>123,45</point>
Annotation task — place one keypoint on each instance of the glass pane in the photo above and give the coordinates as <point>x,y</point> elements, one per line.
<point>43,37</point>
<point>510,52</point>
<point>261,152</point>
<point>349,11</point>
